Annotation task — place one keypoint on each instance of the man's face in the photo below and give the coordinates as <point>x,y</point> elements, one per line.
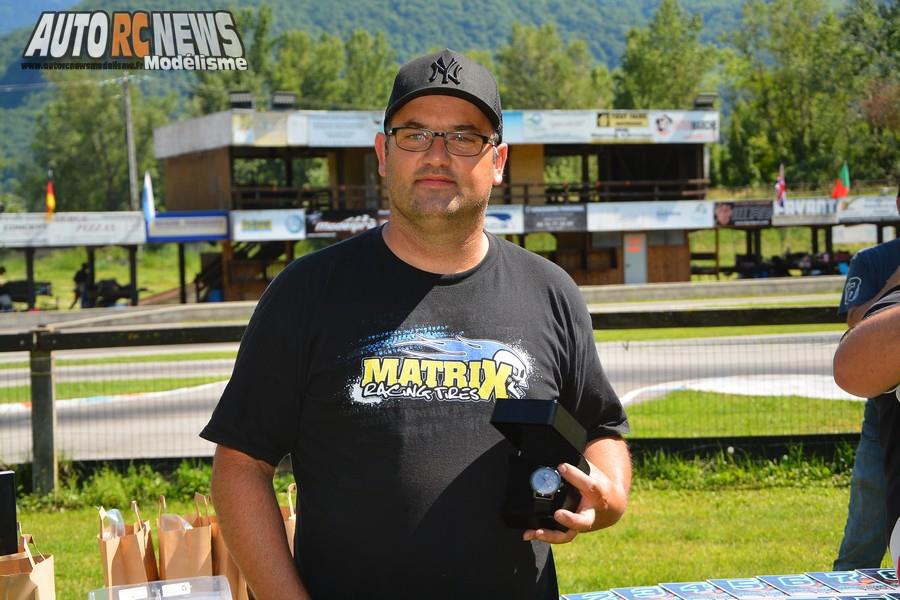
<point>435,186</point>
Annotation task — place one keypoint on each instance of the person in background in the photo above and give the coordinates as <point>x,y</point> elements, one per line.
<point>873,273</point>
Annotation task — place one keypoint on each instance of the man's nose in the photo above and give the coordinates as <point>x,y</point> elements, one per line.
<point>438,154</point>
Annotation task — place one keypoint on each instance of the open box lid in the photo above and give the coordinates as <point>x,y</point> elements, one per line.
<point>542,429</point>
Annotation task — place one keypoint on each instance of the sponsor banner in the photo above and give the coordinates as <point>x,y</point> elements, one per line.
<point>344,129</point>
<point>748,213</point>
<point>622,127</point>
<point>647,216</point>
<point>679,127</point>
<point>805,211</point>
<point>268,225</point>
<point>33,230</point>
<point>188,226</point>
<point>560,126</point>
<point>556,217</point>
<point>334,223</point>
<point>867,209</point>
<point>504,219</point>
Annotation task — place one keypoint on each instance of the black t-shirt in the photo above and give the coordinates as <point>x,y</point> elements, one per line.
<point>379,379</point>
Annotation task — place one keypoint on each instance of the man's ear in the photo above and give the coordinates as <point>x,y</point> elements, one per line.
<point>381,150</point>
<point>501,153</point>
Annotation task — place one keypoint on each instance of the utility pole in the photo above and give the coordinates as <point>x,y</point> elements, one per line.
<point>129,139</point>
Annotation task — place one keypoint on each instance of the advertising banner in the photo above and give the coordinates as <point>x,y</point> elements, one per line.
<point>343,129</point>
<point>867,209</point>
<point>805,211</point>
<point>33,230</point>
<point>748,213</point>
<point>504,219</point>
<point>188,226</point>
<point>331,223</point>
<point>647,216</point>
<point>268,225</point>
<point>679,127</point>
<point>622,127</point>
<point>556,217</point>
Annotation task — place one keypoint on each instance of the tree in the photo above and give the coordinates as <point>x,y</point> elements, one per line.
<point>537,70</point>
<point>80,135</point>
<point>794,94</point>
<point>369,70</point>
<point>664,64</point>
<point>311,68</point>
<point>210,94</point>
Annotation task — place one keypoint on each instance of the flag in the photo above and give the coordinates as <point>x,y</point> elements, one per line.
<point>842,183</point>
<point>147,204</point>
<point>50,200</point>
<point>780,187</point>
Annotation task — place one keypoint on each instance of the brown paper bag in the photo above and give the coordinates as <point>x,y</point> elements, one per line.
<point>222,562</point>
<point>185,552</point>
<point>24,576</point>
<point>130,558</point>
<point>289,513</point>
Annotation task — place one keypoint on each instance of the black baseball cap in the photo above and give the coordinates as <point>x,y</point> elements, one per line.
<point>447,73</point>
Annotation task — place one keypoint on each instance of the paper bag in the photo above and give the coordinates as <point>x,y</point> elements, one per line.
<point>222,562</point>
<point>185,552</point>
<point>130,558</point>
<point>24,576</point>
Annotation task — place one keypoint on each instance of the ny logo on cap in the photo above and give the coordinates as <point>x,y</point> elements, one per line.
<point>448,72</point>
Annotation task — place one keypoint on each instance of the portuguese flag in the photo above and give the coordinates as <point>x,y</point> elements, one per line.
<point>51,200</point>
<point>842,183</point>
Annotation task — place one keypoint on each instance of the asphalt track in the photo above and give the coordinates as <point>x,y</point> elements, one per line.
<point>165,424</point>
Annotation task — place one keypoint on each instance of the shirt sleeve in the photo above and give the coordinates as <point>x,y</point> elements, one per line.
<point>258,413</point>
<point>595,403</point>
<point>861,283</point>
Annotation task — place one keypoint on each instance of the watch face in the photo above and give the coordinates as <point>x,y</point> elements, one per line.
<point>545,480</point>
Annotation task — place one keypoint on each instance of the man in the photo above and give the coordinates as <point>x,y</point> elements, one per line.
<point>873,272</point>
<point>376,362</point>
<point>867,363</point>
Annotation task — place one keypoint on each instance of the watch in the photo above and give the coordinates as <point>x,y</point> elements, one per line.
<point>545,482</point>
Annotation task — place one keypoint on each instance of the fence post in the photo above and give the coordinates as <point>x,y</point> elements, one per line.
<point>43,419</point>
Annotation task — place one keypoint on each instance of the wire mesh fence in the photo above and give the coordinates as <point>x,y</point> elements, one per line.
<point>118,403</point>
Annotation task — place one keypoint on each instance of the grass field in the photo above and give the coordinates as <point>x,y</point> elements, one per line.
<point>87,389</point>
<point>706,414</point>
<point>665,536</point>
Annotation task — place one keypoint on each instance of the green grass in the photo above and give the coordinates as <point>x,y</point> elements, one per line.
<point>665,536</point>
<point>134,358</point>
<point>87,389</point>
<point>707,414</point>
<point>673,535</point>
<point>678,333</point>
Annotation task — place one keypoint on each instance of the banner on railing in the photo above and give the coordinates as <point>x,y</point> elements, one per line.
<point>556,217</point>
<point>504,219</point>
<point>805,211</point>
<point>747,213</point>
<point>648,216</point>
<point>188,226</point>
<point>268,225</point>
<point>867,209</point>
<point>334,223</point>
<point>34,230</point>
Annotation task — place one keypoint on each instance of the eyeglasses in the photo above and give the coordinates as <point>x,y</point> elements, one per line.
<point>460,143</point>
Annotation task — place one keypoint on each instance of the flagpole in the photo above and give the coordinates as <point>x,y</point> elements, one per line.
<point>129,140</point>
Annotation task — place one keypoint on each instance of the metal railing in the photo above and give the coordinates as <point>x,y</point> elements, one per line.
<point>641,372</point>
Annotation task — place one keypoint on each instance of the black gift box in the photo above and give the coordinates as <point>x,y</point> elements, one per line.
<point>9,535</point>
<point>545,434</point>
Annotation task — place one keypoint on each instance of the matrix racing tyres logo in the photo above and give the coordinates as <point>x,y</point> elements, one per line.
<point>157,41</point>
<point>445,369</point>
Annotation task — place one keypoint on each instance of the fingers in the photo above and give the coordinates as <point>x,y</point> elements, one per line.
<point>581,480</point>
<point>550,536</point>
<point>581,521</point>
